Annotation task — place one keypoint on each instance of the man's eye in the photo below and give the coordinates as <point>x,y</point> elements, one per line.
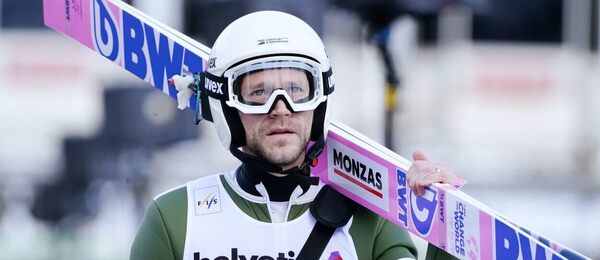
<point>296,89</point>
<point>257,93</point>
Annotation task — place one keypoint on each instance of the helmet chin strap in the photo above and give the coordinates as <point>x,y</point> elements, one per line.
<point>256,169</point>
<point>313,152</point>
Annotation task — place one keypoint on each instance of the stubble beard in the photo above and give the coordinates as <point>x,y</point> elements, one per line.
<point>284,152</point>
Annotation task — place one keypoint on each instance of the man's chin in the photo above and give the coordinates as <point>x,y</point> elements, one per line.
<point>282,141</point>
<point>283,156</point>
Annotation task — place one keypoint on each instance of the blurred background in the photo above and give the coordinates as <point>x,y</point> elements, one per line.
<point>507,92</point>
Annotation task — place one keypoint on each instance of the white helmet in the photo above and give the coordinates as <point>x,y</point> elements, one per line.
<point>262,41</point>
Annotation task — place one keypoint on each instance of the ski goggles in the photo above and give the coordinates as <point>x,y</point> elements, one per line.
<point>255,86</point>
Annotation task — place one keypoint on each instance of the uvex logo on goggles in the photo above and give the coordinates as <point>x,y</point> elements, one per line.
<point>213,86</point>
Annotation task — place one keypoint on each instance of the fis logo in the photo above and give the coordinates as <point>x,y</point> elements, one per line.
<point>207,200</point>
<point>236,256</point>
<point>423,210</point>
<point>139,48</point>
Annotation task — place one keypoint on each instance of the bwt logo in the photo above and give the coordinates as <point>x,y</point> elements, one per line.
<point>362,175</point>
<point>512,245</point>
<point>139,48</point>
<point>68,10</point>
<point>422,209</point>
<point>105,31</point>
<point>402,198</point>
<point>208,201</point>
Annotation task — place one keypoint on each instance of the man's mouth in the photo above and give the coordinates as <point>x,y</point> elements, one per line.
<point>280,131</point>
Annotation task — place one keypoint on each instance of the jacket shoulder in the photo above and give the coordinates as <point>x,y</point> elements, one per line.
<point>162,232</point>
<point>376,238</point>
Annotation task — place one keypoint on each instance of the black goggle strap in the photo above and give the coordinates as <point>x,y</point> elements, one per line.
<point>209,85</point>
<point>214,86</point>
<point>328,85</point>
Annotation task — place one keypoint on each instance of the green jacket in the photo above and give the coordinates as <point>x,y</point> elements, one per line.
<point>163,229</point>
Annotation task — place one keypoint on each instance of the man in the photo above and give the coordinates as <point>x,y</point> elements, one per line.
<point>267,90</point>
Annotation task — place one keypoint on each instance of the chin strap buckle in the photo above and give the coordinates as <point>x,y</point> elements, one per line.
<point>311,155</point>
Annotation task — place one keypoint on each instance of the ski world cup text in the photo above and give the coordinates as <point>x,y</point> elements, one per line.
<point>234,255</point>
<point>139,48</point>
<point>459,228</point>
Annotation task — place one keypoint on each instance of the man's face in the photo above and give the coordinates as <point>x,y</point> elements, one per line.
<point>279,136</point>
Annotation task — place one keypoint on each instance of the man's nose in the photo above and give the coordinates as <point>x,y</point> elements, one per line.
<point>280,109</point>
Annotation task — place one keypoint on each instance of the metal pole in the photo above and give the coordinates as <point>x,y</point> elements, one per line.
<point>392,82</point>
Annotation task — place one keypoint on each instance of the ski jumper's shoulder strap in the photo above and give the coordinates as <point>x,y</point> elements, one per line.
<point>332,210</point>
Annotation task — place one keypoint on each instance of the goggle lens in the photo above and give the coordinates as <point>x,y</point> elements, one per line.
<point>256,87</point>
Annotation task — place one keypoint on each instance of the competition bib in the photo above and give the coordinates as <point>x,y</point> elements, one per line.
<point>218,230</point>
